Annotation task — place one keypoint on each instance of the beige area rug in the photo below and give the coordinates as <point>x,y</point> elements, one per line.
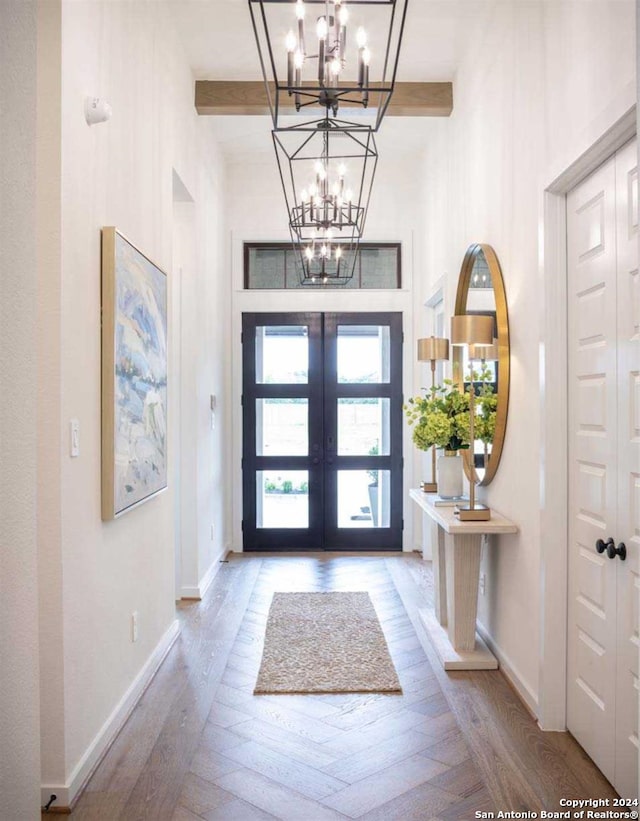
<point>325,643</point>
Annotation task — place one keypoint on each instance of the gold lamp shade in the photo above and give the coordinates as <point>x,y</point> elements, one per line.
<point>472,329</point>
<point>487,353</point>
<point>432,348</point>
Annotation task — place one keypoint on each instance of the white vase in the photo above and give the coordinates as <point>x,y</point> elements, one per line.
<point>450,474</point>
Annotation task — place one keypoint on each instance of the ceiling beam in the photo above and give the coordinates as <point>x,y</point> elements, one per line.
<point>226,97</point>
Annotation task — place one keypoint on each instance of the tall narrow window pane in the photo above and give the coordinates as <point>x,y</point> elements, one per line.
<point>282,355</point>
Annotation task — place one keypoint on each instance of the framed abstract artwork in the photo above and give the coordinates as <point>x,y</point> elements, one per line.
<point>134,376</point>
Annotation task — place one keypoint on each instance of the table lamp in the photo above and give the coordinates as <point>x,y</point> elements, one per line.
<point>432,349</point>
<point>484,354</point>
<point>466,331</point>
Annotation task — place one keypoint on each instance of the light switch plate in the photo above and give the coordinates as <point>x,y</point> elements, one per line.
<point>74,438</point>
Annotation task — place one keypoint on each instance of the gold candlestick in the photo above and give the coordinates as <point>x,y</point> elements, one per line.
<point>432,349</point>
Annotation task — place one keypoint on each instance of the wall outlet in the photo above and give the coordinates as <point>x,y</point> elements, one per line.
<point>134,626</point>
<point>482,587</point>
<point>212,531</point>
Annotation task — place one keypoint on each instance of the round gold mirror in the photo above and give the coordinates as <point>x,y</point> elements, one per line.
<point>481,291</point>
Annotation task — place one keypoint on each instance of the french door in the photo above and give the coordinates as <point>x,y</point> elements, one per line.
<point>322,431</point>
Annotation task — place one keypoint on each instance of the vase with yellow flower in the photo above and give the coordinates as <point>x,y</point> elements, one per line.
<point>440,419</point>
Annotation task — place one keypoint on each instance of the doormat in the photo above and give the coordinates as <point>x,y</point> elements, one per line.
<point>325,643</point>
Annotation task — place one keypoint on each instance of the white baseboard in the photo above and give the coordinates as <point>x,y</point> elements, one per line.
<point>530,700</point>
<point>198,592</point>
<point>84,769</point>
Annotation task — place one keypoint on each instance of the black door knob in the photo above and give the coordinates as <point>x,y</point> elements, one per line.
<point>315,461</point>
<point>602,546</point>
<point>621,551</point>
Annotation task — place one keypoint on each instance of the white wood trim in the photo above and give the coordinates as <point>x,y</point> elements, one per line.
<point>552,666</point>
<point>199,591</point>
<point>598,151</point>
<point>638,132</point>
<point>68,793</point>
<point>334,300</point>
<point>522,689</point>
<point>436,293</point>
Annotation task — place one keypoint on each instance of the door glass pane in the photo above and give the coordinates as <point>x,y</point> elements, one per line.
<point>282,355</point>
<point>363,353</point>
<point>364,498</point>
<point>282,498</point>
<point>363,427</point>
<point>282,427</point>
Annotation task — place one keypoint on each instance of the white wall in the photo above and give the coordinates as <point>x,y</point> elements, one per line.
<point>257,212</point>
<point>19,702</point>
<point>543,82</point>
<point>121,173</point>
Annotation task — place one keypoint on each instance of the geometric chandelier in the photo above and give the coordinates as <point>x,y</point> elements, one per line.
<point>325,265</point>
<point>327,179</point>
<point>329,57</point>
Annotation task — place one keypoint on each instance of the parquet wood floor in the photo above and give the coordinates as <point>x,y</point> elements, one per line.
<point>200,745</point>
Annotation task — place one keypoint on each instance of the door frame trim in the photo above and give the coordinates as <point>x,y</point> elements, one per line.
<point>554,444</point>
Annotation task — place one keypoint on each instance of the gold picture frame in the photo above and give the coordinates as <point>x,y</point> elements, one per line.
<point>134,376</point>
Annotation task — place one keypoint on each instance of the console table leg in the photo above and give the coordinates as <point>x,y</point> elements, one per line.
<point>462,556</point>
<point>439,574</point>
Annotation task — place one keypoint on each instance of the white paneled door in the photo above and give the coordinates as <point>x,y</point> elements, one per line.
<point>604,467</point>
<point>628,530</point>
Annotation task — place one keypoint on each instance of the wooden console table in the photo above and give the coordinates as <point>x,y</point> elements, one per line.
<point>456,571</point>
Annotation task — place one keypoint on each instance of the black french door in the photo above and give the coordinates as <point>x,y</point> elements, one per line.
<point>322,431</point>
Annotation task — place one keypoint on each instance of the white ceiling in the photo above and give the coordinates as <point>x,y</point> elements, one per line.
<point>219,43</point>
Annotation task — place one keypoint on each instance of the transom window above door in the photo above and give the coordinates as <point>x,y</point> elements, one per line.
<point>272,266</point>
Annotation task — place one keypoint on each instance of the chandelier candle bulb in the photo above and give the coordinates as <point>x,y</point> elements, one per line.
<point>298,61</point>
<point>321,30</point>
<point>361,39</point>
<point>343,16</point>
<point>291,47</point>
<point>300,12</point>
<point>366,59</point>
